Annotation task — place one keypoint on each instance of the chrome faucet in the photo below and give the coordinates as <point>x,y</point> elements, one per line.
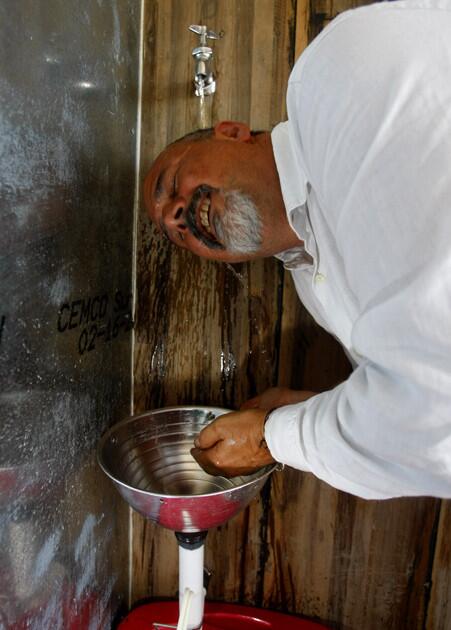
<point>204,78</point>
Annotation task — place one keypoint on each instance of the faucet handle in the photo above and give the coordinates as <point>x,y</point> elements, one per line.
<point>204,33</point>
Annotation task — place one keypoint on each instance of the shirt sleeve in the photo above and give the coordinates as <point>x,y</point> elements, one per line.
<point>386,431</point>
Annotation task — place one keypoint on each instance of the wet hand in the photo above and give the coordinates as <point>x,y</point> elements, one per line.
<point>233,444</point>
<point>277,397</point>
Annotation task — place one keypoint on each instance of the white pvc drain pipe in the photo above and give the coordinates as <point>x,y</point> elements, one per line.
<point>191,588</point>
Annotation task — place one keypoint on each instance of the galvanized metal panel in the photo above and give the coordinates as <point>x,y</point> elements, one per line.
<point>68,99</point>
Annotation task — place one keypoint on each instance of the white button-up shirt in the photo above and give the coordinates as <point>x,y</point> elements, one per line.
<point>365,169</point>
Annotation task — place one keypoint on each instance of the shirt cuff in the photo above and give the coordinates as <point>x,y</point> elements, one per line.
<point>283,435</point>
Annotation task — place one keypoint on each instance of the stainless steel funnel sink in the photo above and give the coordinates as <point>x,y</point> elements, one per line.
<point>148,458</point>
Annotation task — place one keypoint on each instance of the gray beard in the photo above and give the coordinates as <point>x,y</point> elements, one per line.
<point>239,228</point>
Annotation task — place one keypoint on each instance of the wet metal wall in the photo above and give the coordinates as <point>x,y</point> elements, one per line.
<point>68,103</point>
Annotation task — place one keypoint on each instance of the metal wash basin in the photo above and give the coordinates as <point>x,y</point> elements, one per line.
<point>148,458</point>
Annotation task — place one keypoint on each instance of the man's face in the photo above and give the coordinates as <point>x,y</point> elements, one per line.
<point>207,196</point>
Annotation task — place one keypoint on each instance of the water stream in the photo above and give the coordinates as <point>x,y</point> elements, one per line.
<point>204,112</point>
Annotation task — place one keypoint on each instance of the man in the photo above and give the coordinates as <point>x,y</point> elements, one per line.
<point>353,194</point>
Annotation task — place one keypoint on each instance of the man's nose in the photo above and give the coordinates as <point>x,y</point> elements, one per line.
<point>174,215</point>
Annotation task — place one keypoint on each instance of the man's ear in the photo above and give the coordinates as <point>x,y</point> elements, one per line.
<point>228,129</point>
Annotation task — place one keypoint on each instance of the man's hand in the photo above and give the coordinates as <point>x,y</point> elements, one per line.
<point>233,444</point>
<point>277,397</point>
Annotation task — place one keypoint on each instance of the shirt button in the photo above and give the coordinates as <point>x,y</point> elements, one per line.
<point>319,277</point>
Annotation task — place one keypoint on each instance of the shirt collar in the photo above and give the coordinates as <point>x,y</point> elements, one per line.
<point>293,182</point>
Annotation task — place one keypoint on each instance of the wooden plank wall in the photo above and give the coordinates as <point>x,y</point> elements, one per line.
<point>210,334</point>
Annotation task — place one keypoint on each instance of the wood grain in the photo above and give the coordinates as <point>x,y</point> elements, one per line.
<point>439,609</point>
<point>302,26</point>
<point>206,333</point>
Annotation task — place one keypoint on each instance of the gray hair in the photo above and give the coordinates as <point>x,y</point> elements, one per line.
<point>239,228</point>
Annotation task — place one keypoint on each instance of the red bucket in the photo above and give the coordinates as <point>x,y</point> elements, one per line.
<point>217,617</point>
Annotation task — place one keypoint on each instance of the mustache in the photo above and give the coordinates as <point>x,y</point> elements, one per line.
<point>190,217</point>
